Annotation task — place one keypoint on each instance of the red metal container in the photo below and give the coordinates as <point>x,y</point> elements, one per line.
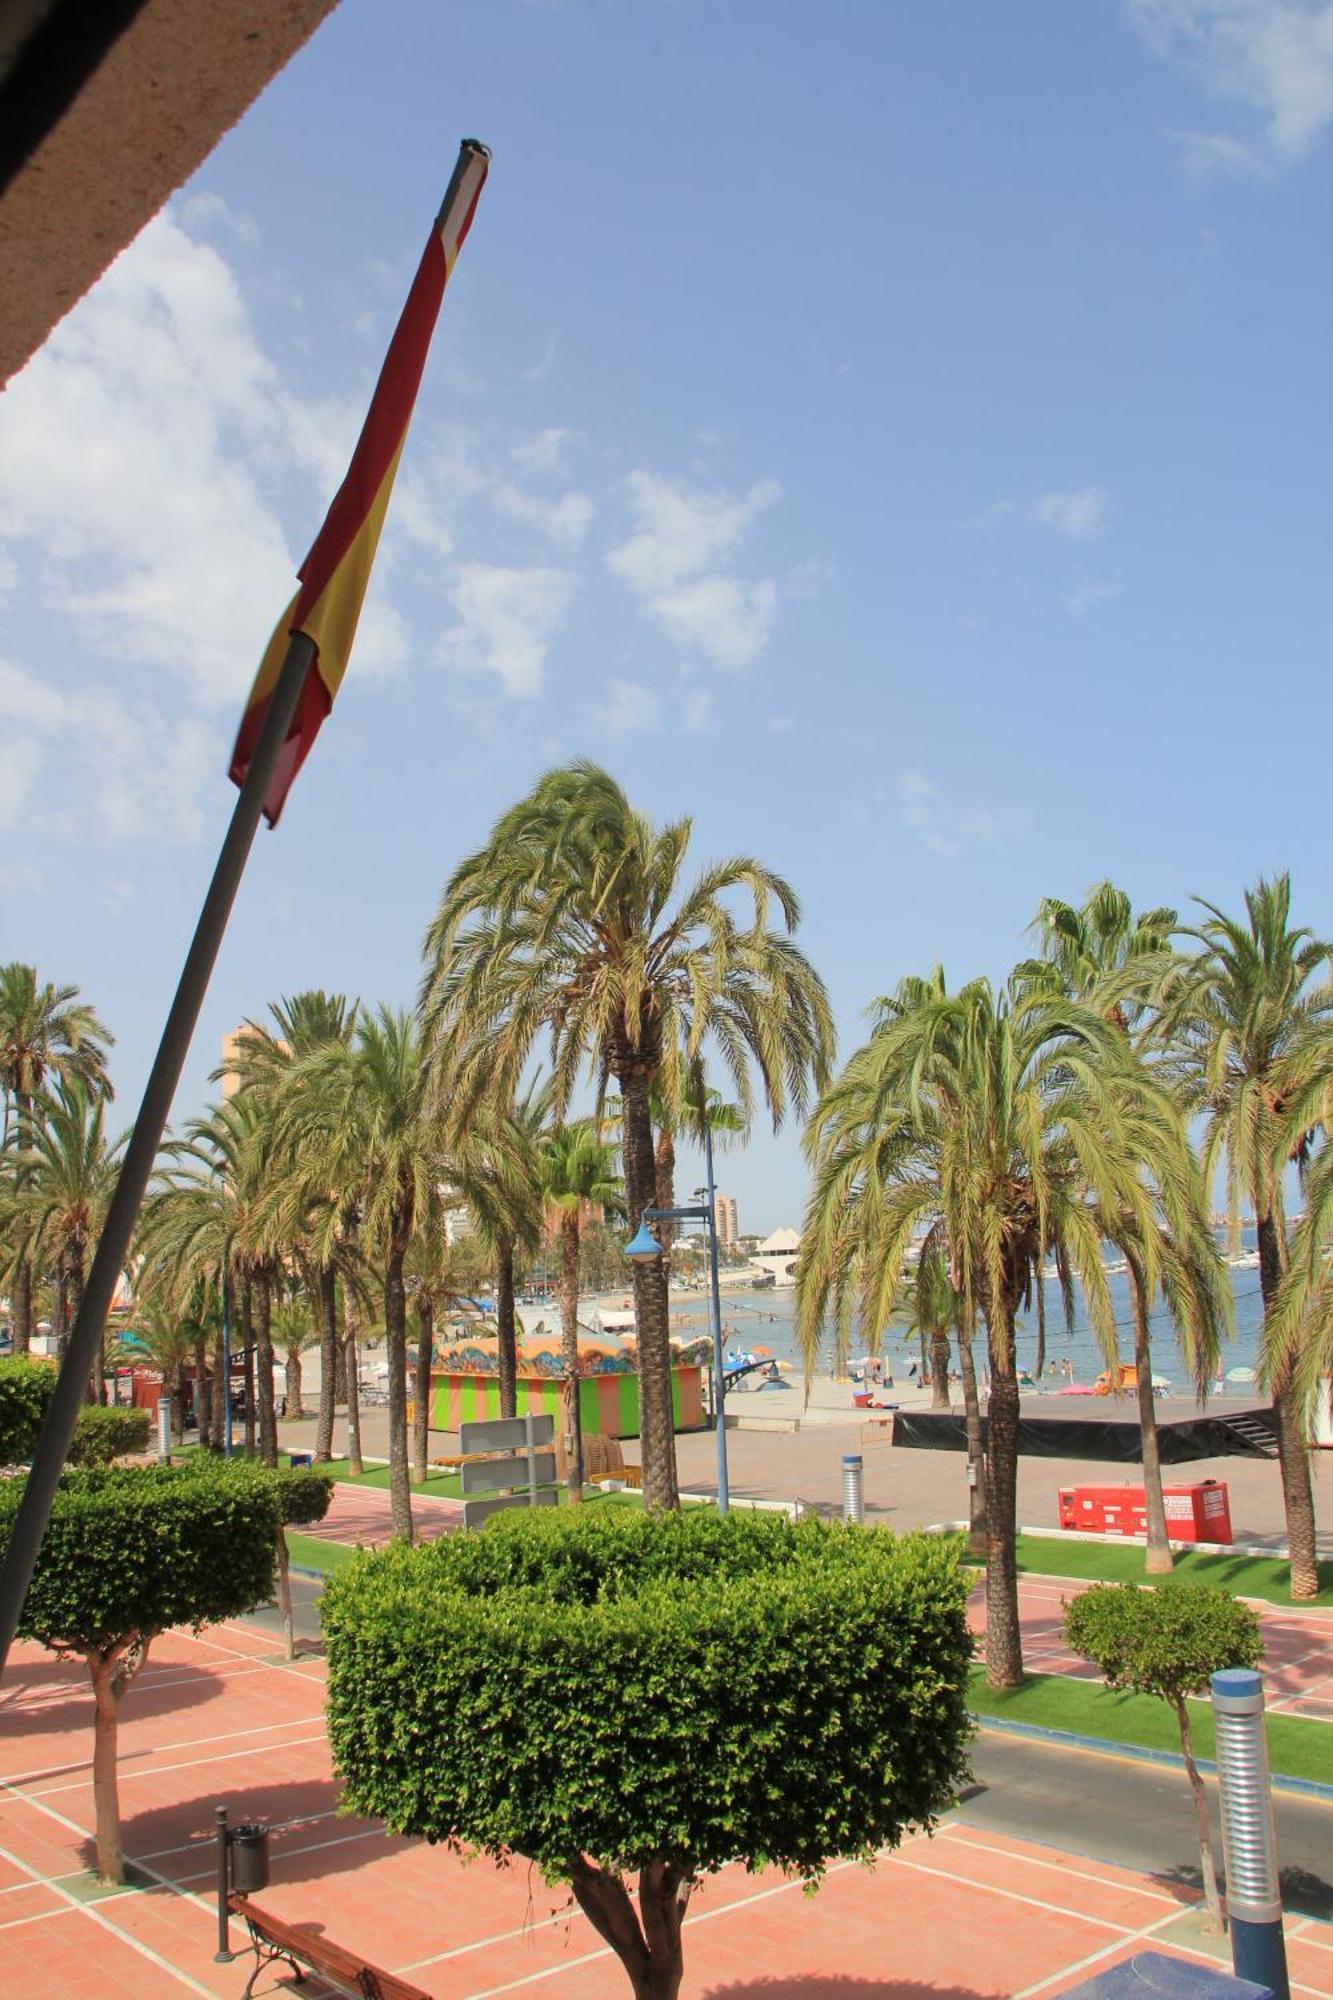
<point>1200,1512</point>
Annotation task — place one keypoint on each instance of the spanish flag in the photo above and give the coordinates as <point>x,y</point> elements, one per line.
<point>337,570</point>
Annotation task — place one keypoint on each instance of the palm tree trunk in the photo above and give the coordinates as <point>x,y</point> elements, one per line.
<point>395,1341</point>
<point>976,1456</point>
<point>21,1305</point>
<point>1158,1560</point>
<point>569,1350</point>
<point>1293,1448</point>
<point>1207,1866</point>
<point>506,1336</point>
<point>328,1360</point>
<point>293,1404</point>
<point>174,1387</point>
<point>421,1413</point>
<point>268,1421</point>
<point>939,1370</point>
<point>1004,1643</point>
<point>1040,1367</point>
<point>657,1433</point>
<point>248,1353</point>
<point>20,1300</point>
<point>664,1194</point>
<point>925,1355</point>
<point>203,1399</point>
<point>350,1329</point>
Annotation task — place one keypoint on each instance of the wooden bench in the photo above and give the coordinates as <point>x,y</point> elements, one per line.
<point>273,1941</point>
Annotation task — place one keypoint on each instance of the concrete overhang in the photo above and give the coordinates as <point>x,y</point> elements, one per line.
<point>106,108</point>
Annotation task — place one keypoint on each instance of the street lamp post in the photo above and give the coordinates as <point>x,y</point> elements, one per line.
<point>645,1245</point>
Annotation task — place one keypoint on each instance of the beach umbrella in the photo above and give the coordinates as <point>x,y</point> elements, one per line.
<point>1160,1382</point>
<point>1241,1375</point>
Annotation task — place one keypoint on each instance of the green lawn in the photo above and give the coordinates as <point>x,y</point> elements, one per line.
<point>1296,1748</point>
<point>1105,1562</point>
<point>308,1552</point>
<point>444,1485</point>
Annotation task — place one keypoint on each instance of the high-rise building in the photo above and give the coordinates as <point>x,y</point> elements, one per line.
<point>724,1214</point>
<point>233,1052</point>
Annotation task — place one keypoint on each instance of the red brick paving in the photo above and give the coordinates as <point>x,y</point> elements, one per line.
<point>963,1916</point>
<point>360,1515</point>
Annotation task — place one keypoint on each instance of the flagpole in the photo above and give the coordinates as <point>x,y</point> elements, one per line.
<point>113,1245</point>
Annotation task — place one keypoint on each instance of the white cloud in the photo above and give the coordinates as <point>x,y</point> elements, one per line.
<point>565,520</point>
<point>628,708</point>
<point>680,532</point>
<point>149,530</point>
<point>940,827</point>
<point>125,768</point>
<point>726,620</point>
<point>1219,156</point>
<point>1079,516</point>
<point>1092,591</point>
<point>1273,56</point>
<point>507,618</point>
<point>668,562</point>
<point>543,365</point>
<point>21,878</point>
<point>545,454</point>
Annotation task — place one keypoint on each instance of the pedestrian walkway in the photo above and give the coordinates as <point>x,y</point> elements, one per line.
<point>221,1718</point>
<point>360,1515</point>
<point>1298,1645</point>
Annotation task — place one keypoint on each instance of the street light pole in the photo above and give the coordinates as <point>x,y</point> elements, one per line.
<point>643,1245</point>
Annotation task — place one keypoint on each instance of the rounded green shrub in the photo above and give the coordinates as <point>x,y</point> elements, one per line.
<point>102,1434</point>
<point>657,1687</point>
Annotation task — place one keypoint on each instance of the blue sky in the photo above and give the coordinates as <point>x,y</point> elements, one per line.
<point>897,436</point>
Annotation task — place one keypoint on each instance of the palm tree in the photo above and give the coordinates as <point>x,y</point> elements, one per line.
<point>1104,953</point>
<point>46,1032</point>
<point>577,1173</point>
<point>572,923</point>
<point>1239,1019</point>
<point>207,1221</point>
<point>997,1120</point>
<point>360,1109</point>
<point>932,1303</point>
<point>57,1195</point>
<point>263,1060</point>
<point>162,1337</point>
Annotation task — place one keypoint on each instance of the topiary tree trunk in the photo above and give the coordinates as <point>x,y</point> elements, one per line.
<point>646,1942</point>
<point>111,1668</point>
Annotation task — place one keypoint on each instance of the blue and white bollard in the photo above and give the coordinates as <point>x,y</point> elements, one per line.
<point>1249,1840</point>
<point>853,1500</point>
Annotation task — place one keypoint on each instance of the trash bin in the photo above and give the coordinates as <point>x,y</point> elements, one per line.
<point>249,1858</point>
<point>301,1461</point>
<point>1151,1975</point>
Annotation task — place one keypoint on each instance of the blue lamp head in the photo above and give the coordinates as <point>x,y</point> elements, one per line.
<point>644,1245</point>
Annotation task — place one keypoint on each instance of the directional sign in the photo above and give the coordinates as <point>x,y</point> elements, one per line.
<point>475,1512</point>
<point>486,1474</point>
<point>505,1433</point>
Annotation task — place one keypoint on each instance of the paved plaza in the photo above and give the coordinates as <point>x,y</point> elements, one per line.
<point>220,1718</point>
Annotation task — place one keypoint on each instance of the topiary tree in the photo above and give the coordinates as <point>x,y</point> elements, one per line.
<point>1168,1642</point>
<point>609,1693</point>
<point>129,1552</point>
<point>303,1497</point>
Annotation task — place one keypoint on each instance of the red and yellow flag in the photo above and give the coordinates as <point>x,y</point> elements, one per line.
<point>337,570</point>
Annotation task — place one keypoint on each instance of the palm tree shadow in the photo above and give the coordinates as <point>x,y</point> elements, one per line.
<point>837,1986</point>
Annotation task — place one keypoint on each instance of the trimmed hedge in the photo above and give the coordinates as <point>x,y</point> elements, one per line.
<point>100,1435</point>
<point>644,1686</point>
<point>26,1387</point>
<point>104,1433</point>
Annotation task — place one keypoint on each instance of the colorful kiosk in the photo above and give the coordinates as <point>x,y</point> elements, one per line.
<point>465,1383</point>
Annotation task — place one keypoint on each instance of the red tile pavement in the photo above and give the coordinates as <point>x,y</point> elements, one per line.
<point>360,1515</point>
<point>220,1718</point>
<point>1298,1645</point>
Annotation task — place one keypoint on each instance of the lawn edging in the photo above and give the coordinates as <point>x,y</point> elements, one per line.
<point>1107,1746</point>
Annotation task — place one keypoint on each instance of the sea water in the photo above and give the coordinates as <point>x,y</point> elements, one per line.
<point>767,1319</point>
